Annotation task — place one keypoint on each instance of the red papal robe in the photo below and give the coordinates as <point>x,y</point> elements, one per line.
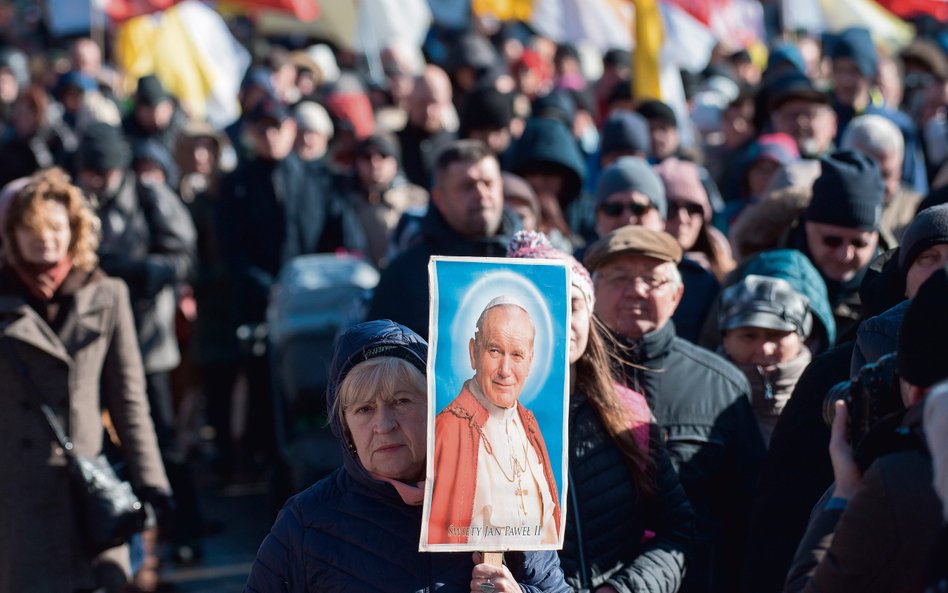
<point>458,434</point>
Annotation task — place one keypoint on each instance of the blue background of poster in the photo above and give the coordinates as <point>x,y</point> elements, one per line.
<point>464,289</point>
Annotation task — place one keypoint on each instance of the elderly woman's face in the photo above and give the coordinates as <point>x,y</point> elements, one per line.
<point>389,433</point>
<point>49,243</point>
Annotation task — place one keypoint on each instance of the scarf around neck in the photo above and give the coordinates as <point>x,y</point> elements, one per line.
<point>43,280</point>
<point>772,387</point>
<point>411,494</point>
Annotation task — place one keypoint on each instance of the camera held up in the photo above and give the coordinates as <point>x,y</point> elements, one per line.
<point>875,407</point>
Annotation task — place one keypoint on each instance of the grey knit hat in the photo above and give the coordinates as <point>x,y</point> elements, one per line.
<point>633,174</point>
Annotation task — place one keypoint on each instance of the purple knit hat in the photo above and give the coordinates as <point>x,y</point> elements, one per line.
<point>535,245</point>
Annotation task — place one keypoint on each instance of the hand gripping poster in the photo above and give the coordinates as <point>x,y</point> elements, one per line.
<point>498,396</point>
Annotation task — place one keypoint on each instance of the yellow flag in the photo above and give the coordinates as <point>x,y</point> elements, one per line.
<point>646,70</point>
<point>504,10</point>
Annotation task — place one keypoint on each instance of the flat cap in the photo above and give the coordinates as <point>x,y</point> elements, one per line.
<point>632,240</point>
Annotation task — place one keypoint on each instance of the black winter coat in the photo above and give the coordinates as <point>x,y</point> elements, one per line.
<point>702,403</point>
<point>273,211</point>
<point>402,292</point>
<point>607,517</point>
<point>795,474</point>
<point>420,150</point>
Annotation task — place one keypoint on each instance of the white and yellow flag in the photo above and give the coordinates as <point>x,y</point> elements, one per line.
<point>189,48</point>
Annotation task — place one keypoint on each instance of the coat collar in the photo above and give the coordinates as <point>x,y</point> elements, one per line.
<point>91,314</point>
<point>19,321</point>
<point>654,344</point>
<point>439,233</point>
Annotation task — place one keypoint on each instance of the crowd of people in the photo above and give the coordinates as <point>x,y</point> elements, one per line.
<point>731,266</point>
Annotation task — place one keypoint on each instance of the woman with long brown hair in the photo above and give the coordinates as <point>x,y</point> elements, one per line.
<point>68,341</point>
<point>628,520</point>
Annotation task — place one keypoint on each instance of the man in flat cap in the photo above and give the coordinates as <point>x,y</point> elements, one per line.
<point>701,401</point>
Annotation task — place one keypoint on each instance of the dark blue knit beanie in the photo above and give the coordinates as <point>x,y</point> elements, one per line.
<point>625,131</point>
<point>856,44</point>
<point>848,193</point>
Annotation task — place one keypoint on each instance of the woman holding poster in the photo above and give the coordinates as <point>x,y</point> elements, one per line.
<point>629,520</point>
<point>358,529</point>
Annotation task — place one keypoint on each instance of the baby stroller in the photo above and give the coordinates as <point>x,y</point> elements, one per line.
<point>316,298</point>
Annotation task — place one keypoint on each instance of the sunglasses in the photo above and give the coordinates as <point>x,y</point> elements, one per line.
<point>615,209</point>
<point>835,241</point>
<point>692,209</point>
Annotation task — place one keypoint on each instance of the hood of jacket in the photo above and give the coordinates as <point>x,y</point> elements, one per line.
<point>367,340</point>
<point>794,267</point>
<point>546,142</point>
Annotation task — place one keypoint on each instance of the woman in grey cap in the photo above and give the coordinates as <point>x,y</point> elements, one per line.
<point>764,323</point>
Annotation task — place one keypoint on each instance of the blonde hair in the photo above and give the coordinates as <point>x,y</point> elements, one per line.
<point>376,377</point>
<point>27,209</point>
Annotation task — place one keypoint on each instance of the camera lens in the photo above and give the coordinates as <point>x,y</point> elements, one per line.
<point>836,392</point>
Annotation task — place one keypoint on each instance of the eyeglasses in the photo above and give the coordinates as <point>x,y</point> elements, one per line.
<point>623,279</point>
<point>692,209</point>
<point>614,209</point>
<point>835,241</point>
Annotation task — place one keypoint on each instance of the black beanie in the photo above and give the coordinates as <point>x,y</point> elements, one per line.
<point>103,147</point>
<point>657,110</point>
<point>923,349</point>
<point>150,91</point>
<point>848,193</point>
<point>930,227</point>
<point>625,131</point>
<point>487,109</point>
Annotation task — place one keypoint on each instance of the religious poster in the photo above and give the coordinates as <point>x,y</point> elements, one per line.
<point>498,397</point>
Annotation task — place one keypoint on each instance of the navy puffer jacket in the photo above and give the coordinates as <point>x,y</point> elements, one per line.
<point>350,532</point>
<point>608,517</point>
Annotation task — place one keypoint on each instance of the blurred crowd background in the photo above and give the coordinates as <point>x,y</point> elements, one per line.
<point>270,161</point>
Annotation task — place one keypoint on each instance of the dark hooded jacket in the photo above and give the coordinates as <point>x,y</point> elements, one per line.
<point>547,143</point>
<point>547,146</point>
<point>402,292</point>
<point>795,268</point>
<point>350,532</point>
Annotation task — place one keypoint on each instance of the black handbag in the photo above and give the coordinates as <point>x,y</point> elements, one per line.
<point>109,512</point>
